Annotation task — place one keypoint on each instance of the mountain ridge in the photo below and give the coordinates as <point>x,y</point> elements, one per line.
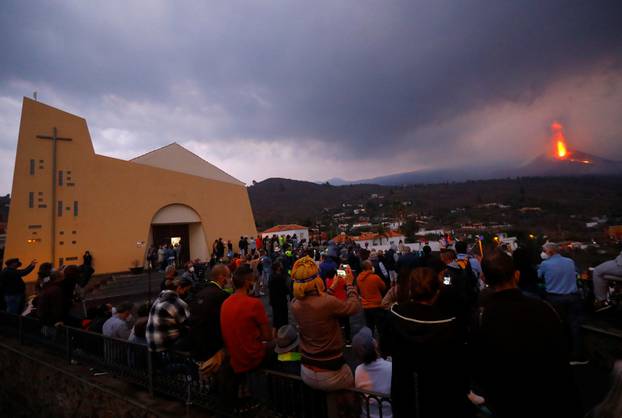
<point>542,165</point>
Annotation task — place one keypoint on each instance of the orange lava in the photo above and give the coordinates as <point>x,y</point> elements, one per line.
<point>561,151</point>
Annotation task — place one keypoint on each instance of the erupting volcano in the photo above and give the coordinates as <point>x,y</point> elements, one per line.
<point>563,161</point>
<point>561,151</point>
<point>557,159</point>
<point>560,140</point>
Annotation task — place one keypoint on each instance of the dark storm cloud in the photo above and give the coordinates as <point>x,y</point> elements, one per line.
<point>345,73</point>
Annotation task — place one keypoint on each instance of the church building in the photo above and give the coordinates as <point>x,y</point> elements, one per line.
<point>66,199</point>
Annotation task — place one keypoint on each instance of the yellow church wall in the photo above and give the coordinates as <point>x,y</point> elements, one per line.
<point>116,199</point>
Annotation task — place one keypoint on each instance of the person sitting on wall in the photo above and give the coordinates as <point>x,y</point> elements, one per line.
<point>119,324</point>
<point>318,313</point>
<point>168,318</point>
<point>373,374</point>
<point>601,284</point>
<point>287,350</point>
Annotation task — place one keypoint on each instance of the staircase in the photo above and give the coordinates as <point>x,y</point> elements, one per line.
<point>124,287</point>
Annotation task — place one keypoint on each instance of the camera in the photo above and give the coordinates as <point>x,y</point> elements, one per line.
<point>341,272</point>
<point>447,279</point>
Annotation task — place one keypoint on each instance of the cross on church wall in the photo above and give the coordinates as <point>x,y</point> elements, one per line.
<point>54,138</point>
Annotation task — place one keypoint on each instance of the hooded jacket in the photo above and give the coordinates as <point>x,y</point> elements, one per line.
<point>428,362</point>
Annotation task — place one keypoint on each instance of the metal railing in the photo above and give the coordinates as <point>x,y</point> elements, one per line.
<point>175,374</point>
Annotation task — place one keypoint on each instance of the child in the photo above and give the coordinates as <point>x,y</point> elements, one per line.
<point>374,374</point>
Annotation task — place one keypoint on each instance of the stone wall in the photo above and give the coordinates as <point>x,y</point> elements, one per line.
<point>33,384</point>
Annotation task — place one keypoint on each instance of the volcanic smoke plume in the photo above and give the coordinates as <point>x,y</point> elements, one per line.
<point>564,161</point>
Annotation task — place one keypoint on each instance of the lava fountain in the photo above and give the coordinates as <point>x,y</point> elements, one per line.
<point>561,151</point>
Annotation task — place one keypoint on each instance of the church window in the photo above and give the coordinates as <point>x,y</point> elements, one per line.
<point>31,200</point>
<point>32,167</point>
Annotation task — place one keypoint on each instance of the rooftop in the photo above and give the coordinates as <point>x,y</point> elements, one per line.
<point>283,228</point>
<point>174,157</point>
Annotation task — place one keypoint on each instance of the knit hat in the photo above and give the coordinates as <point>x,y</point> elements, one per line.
<point>363,343</point>
<point>306,278</point>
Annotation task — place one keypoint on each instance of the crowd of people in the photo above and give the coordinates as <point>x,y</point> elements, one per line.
<point>446,335</point>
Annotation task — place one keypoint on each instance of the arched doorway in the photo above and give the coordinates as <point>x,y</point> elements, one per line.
<point>180,224</point>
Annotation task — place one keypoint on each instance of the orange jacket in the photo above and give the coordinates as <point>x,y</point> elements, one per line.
<point>370,287</point>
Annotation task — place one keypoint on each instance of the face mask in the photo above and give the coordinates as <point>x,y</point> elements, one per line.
<point>544,255</point>
<point>191,269</point>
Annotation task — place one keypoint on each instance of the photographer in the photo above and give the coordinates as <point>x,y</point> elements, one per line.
<point>318,313</point>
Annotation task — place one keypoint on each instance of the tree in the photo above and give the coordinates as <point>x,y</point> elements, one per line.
<point>409,228</point>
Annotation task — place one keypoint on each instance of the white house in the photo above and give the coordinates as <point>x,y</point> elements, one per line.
<point>302,232</point>
<point>379,241</point>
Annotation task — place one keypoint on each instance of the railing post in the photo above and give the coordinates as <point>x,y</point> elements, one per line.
<point>150,371</point>
<point>20,329</point>
<point>67,344</point>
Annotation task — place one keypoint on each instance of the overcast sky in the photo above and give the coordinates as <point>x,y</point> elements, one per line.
<point>319,89</point>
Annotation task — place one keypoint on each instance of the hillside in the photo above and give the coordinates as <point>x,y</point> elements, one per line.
<point>278,200</point>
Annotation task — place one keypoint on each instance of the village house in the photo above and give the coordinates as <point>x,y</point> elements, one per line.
<point>301,232</point>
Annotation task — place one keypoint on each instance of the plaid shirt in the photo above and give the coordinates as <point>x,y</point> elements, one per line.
<point>166,320</point>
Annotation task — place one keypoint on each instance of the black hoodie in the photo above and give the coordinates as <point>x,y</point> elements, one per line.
<point>429,372</point>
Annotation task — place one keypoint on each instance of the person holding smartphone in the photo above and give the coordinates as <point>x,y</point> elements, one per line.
<point>317,313</point>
